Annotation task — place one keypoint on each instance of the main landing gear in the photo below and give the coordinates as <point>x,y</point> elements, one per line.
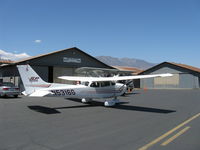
<point>86,100</point>
<point>112,102</point>
<point>107,103</point>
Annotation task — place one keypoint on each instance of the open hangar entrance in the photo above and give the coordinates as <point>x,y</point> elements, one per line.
<point>184,77</point>
<point>52,65</point>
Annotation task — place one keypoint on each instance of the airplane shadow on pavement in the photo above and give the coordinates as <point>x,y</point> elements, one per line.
<point>121,106</point>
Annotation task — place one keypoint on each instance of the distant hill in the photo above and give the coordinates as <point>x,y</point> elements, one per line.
<point>129,62</point>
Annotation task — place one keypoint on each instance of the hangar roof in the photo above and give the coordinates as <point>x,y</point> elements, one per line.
<point>128,69</point>
<point>52,53</point>
<point>43,55</point>
<point>187,67</point>
<point>6,62</point>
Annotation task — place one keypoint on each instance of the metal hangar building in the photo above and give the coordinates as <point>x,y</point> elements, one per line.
<point>184,77</point>
<point>52,65</point>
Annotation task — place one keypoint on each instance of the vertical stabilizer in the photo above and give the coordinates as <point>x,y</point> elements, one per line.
<point>31,79</point>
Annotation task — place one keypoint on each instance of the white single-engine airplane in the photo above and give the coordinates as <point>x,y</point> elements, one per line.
<point>90,87</point>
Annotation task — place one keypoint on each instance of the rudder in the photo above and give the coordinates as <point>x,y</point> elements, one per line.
<point>31,80</point>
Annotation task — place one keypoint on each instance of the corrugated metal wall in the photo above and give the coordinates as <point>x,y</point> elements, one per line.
<point>167,82</point>
<point>188,81</point>
<point>62,71</point>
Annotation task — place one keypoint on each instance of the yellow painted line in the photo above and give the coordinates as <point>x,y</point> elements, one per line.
<point>168,133</point>
<point>175,136</point>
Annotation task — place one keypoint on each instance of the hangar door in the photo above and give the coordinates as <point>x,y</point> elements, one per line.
<point>167,82</point>
<point>62,71</point>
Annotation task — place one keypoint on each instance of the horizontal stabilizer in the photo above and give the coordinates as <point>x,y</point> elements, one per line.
<point>40,93</point>
<point>24,93</point>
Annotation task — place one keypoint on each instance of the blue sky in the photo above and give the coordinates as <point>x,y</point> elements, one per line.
<point>153,30</point>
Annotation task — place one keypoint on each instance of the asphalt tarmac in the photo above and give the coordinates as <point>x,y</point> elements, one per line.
<point>145,120</point>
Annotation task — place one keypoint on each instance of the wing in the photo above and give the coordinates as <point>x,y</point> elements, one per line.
<point>115,78</point>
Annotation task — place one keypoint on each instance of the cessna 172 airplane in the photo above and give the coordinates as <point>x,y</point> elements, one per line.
<point>90,87</point>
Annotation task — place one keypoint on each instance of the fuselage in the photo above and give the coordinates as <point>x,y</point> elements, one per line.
<point>91,90</point>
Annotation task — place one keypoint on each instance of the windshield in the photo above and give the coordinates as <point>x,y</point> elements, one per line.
<point>85,83</point>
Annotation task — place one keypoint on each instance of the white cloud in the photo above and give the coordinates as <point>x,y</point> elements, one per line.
<point>12,56</point>
<point>38,41</point>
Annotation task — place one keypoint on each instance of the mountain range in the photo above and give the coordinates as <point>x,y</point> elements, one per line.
<point>128,62</point>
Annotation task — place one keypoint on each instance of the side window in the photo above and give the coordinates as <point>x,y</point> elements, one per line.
<point>95,84</point>
<point>105,84</point>
<point>113,83</point>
